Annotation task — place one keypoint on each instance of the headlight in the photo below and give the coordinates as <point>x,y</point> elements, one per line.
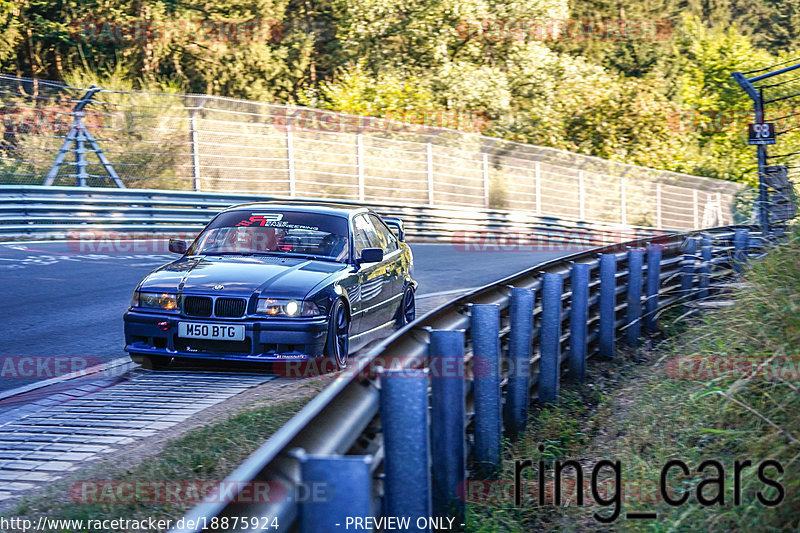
<point>276,307</point>
<point>155,300</point>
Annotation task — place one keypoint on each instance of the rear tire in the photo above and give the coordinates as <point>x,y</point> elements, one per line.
<point>337,347</point>
<point>150,362</point>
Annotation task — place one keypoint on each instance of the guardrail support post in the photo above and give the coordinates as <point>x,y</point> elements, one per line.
<point>705,272</point>
<point>515,415</point>
<point>653,284</point>
<point>608,304</point>
<point>337,488</point>
<point>578,319</point>
<point>633,315</point>
<point>741,242</point>
<point>448,441</point>
<point>550,339</point>
<point>688,268</point>
<point>407,485</point>
<point>485,334</point>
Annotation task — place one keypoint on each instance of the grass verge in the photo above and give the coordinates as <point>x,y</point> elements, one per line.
<point>720,388</point>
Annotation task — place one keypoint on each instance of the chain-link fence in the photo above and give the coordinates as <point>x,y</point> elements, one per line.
<point>209,143</point>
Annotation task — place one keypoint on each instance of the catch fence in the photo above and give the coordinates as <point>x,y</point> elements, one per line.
<point>59,135</point>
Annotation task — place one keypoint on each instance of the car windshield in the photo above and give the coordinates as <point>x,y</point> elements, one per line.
<point>275,232</point>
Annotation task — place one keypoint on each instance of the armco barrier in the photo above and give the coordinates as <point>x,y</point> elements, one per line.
<point>542,323</point>
<point>29,211</point>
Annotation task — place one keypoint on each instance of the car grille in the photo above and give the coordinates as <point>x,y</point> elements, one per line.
<point>230,307</point>
<point>196,306</point>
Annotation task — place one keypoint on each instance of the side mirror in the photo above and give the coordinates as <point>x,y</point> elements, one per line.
<point>177,246</point>
<point>371,255</point>
<point>397,226</point>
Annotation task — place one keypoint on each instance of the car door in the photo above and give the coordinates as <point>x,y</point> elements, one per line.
<point>374,278</point>
<point>393,257</point>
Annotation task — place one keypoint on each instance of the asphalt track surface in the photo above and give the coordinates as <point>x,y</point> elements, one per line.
<point>62,300</point>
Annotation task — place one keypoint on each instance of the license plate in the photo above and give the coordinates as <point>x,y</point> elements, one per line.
<point>217,332</point>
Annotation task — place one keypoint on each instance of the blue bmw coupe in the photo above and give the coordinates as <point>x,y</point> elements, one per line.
<point>268,282</point>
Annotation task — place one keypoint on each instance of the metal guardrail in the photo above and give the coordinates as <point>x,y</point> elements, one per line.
<point>29,211</point>
<point>366,437</point>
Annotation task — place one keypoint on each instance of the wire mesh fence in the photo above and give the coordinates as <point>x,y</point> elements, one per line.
<point>216,144</point>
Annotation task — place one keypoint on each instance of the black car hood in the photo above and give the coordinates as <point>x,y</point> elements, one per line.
<point>241,276</point>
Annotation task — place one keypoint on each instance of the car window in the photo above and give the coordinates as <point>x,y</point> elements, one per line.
<point>274,232</point>
<point>388,240</point>
<point>364,234</point>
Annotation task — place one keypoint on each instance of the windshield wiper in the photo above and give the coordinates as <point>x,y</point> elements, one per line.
<point>276,254</point>
<point>309,256</point>
<point>224,253</point>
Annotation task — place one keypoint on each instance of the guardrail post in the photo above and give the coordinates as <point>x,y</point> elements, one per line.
<point>741,241</point>
<point>688,268</point>
<point>404,418</point>
<point>550,339</point>
<point>578,319</point>
<point>653,284</point>
<point>448,441</point>
<point>337,488</point>
<point>633,315</point>
<point>485,334</point>
<point>515,415</point>
<point>608,304</point>
<point>705,271</point>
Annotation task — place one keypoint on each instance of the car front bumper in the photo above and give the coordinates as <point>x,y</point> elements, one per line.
<point>268,339</point>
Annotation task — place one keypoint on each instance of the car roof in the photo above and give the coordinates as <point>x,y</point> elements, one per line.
<point>328,208</point>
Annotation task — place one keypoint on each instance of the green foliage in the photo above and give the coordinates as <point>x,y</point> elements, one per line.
<point>658,97</point>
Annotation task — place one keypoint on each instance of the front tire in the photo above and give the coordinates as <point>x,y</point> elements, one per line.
<point>337,347</point>
<point>408,308</point>
<point>150,362</point>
